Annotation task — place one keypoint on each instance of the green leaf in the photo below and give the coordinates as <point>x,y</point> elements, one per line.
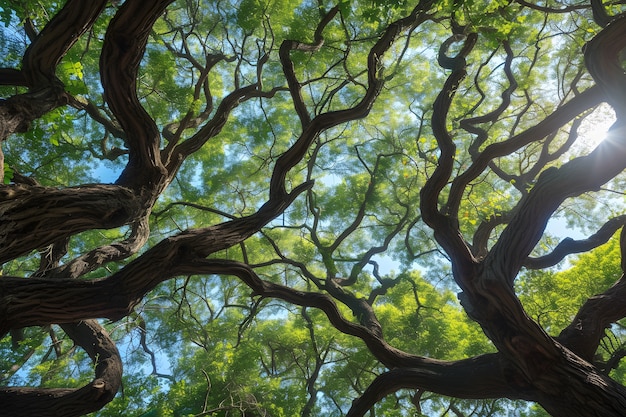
<point>8,174</point>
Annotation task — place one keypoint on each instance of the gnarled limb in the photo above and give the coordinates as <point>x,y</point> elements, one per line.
<point>123,48</point>
<point>57,37</point>
<point>211,128</point>
<point>444,226</point>
<point>115,296</point>
<point>44,402</point>
<point>538,362</point>
<point>493,304</point>
<point>387,354</point>
<point>584,333</point>
<point>600,15</point>
<point>602,59</point>
<point>102,255</point>
<point>32,217</point>
<point>578,175</point>
<point>553,186</point>
<point>478,377</point>
<point>46,92</point>
<point>569,246</point>
<point>490,299</point>
<point>39,63</point>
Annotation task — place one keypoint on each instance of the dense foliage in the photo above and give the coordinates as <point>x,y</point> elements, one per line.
<point>303,208</point>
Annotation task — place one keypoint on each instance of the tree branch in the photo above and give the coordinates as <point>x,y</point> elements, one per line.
<point>577,105</point>
<point>446,227</point>
<point>471,125</point>
<point>327,120</point>
<point>584,333</point>
<point>67,402</point>
<point>579,175</point>
<point>32,217</point>
<point>95,258</point>
<point>122,51</point>
<point>57,37</point>
<point>288,69</point>
<point>602,59</point>
<point>569,246</point>
<point>115,296</point>
<point>46,91</point>
<point>480,377</point>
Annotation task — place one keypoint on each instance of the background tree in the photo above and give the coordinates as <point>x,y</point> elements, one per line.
<point>278,208</point>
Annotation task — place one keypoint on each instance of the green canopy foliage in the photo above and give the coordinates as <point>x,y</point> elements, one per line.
<point>315,197</point>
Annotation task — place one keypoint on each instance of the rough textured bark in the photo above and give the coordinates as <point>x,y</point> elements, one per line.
<point>123,49</point>
<point>562,382</point>
<point>27,213</point>
<point>529,364</point>
<point>73,402</point>
<point>67,300</point>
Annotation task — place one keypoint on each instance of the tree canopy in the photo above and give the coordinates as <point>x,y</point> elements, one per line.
<point>302,208</point>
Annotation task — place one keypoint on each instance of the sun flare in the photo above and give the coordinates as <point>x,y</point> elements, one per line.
<point>594,128</point>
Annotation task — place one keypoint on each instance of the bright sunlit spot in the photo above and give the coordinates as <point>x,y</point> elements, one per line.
<point>594,128</point>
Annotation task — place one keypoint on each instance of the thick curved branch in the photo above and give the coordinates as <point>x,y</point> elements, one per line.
<point>385,353</point>
<point>553,186</point>
<point>67,402</point>
<point>475,378</point>
<point>583,335</point>
<point>217,122</point>
<point>115,296</point>
<point>569,246</point>
<point>579,175</point>
<point>600,15</point>
<point>490,298</point>
<point>480,241</point>
<point>57,37</point>
<point>446,227</point>
<point>359,306</point>
<point>602,59</point>
<point>34,217</point>
<point>122,51</point>
<point>46,91</point>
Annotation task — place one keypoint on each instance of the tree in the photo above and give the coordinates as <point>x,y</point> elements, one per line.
<point>270,157</point>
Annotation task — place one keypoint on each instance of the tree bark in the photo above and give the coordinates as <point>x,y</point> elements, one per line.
<point>66,402</point>
<point>32,217</point>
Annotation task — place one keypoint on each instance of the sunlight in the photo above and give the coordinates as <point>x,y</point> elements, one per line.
<point>594,128</point>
